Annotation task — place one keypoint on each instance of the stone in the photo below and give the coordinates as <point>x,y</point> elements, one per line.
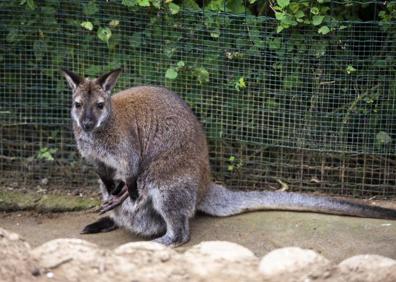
<point>366,262</point>
<point>60,251</point>
<point>293,262</point>
<point>16,262</point>
<point>368,268</point>
<point>221,261</point>
<point>221,250</point>
<point>143,253</point>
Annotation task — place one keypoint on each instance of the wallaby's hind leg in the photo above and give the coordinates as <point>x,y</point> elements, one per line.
<point>177,230</point>
<point>175,206</point>
<point>104,224</point>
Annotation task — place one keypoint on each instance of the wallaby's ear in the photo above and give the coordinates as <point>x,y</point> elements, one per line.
<point>108,80</point>
<point>72,79</point>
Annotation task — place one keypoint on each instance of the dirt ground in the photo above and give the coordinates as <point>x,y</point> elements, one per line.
<point>335,237</point>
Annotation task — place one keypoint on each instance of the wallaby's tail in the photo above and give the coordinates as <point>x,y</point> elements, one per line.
<point>220,201</point>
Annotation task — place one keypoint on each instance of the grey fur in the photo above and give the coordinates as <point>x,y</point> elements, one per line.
<point>149,138</point>
<point>220,201</point>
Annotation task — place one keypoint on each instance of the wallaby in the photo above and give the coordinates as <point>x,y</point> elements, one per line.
<point>151,154</point>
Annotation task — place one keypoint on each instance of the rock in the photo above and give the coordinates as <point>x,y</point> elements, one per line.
<point>142,253</point>
<point>60,251</point>
<point>221,250</point>
<point>367,268</point>
<point>78,260</point>
<point>221,261</point>
<point>16,264</point>
<point>132,247</point>
<point>367,262</point>
<point>73,260</point>
<point>293,262</point>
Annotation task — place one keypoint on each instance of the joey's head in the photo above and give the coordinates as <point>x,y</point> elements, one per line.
<point>91,106</point>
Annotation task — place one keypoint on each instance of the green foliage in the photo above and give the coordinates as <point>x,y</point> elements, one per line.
<point>171,73</point>
<point>266,60</point>
<point>173,8</point>
<point>31,4</point>
<point>90,8</point>
<point>383,138</point>
<point>46,154</point>
<point>104,34</point>
<point>201,75</point>
<point>240,84</point>
<point>234,164</point>
<point>87,25</point>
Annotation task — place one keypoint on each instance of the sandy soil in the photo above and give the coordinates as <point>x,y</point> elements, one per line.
<point>335,237</point>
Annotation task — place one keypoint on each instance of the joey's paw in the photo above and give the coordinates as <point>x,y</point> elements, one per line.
<point>114,200</point>
<point>108,205</point>
<point>170,241</point>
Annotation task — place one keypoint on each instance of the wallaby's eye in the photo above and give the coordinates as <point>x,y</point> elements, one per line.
<point>100,105</point>
<point>77,105</point>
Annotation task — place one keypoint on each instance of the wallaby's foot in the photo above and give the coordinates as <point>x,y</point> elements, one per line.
<point>104,224</point>
<point>177,232</point>
<point>114,200</point>
<point>172,241</point>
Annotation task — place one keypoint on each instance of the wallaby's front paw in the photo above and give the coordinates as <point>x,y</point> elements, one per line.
<point>114,201</point>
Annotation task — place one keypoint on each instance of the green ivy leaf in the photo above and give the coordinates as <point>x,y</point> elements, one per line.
<point>201,74</point>
<point>191,5</point>
<point>156,3</point>
<point>350,69</point>
<point>240,84</point>
<point>283,3</point>
<point>90,8</point>
<point>104,34</point>
<point>46,154</point>
<point>279,28</point>
<point>274,44</point>
<point>129,3</point>
<point>299,14</point>
<point>171,73</point>
<point>317,20</point>
<point>280,16</point>
<point>324,30</point>
<point>180,64</point>
<point>87,25</point>
<point>215,33</point>
<point>315,10</point>
<point>173,8</point>
<point>143,3</point>
<point>383,138</point>
<point>114,23</point>
<point>236,7</point>
<point>29,3</point>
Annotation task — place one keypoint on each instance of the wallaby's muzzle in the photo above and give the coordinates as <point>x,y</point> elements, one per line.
<point>88,125</point>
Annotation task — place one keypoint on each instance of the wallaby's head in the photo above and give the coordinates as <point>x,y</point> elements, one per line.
<point>91,106</point>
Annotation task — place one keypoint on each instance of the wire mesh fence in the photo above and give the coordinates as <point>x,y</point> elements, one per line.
<point>302,109</point>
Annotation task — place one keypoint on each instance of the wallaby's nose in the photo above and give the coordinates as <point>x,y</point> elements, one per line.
<point>87,125</point>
